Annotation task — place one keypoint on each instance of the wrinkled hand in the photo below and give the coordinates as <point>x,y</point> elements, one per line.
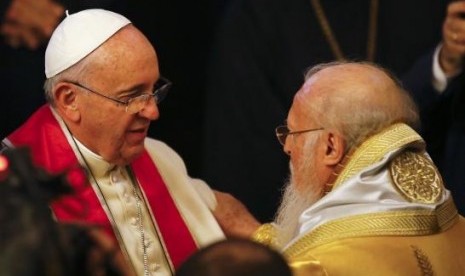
<point>233,217</point>
<point>30,23</point>
<point>453,35</point>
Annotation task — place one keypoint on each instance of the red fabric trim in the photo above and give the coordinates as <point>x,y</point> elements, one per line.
<point>176,235</point>
<point>51,151</point>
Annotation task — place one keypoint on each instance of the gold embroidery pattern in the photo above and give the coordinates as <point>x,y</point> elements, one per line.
<point>416,177</point>
<point>447,214</point>
<point>373,149</point>
<point>400,223</point>
<point>423,262</point>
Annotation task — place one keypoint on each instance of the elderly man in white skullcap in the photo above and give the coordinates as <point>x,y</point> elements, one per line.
<point>103,89</point>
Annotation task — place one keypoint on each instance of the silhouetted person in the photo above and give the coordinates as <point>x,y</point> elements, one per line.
<point>235,257</point>
<point>32,242</point>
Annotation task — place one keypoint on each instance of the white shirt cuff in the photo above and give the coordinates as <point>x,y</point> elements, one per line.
<point>440,79</point>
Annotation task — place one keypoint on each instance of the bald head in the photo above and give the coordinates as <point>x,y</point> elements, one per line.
<point>234,257</point>
<point>355,99</point>
<point>355,82</point>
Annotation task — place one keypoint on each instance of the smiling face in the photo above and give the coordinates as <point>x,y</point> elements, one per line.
<point>125,66</point>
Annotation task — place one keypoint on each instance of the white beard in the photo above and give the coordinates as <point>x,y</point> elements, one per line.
<point>294,201</point>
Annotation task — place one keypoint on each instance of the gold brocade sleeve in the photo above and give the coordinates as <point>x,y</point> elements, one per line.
<point>307,267</point>
<point>265,234</point>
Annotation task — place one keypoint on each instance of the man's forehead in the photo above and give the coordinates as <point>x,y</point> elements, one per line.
<point>297,110</point>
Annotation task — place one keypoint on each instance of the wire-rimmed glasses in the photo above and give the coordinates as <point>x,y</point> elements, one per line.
<point>283,131</point>
<point>136,104</point>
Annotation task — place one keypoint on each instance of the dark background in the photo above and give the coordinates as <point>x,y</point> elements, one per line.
<point>182,33</point>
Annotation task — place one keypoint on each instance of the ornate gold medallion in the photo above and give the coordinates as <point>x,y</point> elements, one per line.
<point>416,177</point>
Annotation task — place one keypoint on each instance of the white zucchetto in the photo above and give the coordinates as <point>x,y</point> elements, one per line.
<point>78,35</point>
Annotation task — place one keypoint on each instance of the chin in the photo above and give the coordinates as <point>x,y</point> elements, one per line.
<point>128,155</point>
<point>134,153</point>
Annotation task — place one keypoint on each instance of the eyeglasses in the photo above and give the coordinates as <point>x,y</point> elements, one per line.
<point>283,131</point>
<point>137,103</point>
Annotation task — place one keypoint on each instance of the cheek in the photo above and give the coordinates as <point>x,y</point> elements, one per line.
<point>116,147</point>
<point>119,134</point>
<point>297,169</point>
<point>304,166</point>
<point>113,131</point>
<point>297,157</point>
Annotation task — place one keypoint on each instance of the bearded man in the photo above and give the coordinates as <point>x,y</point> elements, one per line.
<point>364,197</point>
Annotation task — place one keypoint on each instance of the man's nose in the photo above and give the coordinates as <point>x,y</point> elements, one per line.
<point>287,146</point>
<point>150,110</point>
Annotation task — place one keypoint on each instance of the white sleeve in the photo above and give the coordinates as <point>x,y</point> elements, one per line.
<point>205,193</point>
<point>166,155</point>
<point>440,79</point>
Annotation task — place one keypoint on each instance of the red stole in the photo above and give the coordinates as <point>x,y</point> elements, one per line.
<point>51,151</point>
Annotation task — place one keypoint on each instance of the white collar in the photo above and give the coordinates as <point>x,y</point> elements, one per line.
<point>98,166</point>
<point>369,191</point>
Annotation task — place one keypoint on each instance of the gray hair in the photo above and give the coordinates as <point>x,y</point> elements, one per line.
<point>355,125</point>
<point>78,71</point>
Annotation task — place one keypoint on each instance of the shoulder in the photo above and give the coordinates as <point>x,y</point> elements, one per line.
<point>151,143</point>
<point>158,146</point>
<point>162,153</point>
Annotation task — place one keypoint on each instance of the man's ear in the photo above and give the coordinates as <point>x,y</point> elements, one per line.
<point>66,101</point>
<point>335,148</point>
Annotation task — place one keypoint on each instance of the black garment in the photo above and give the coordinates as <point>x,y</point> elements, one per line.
<point>181,32</point>
<point>262,52</point>
<point>443,125</point>
<point>22,73</point>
